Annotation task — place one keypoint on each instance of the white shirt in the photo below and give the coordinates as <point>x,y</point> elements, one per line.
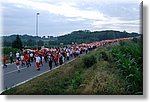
<point>71,52</point>
<point>42,58</point>
<point>38,59</point>
<point>63,59</point>
<point>17,54</point>
<point>68,54</point>
<point>31,54</point>
<point>21,57</point>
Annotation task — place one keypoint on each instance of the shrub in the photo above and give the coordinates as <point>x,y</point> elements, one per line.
<point>89,61</point>
<point>103,55</point>
<point>136,40</point>
<point>76,80</point>
<point>122,43</point>
<point>6,51</point>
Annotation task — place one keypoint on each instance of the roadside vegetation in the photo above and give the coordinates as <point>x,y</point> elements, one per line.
<point>6,52</point>
<point>115,69</point>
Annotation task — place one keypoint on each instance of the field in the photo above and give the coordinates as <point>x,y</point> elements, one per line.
<point>115,69</point>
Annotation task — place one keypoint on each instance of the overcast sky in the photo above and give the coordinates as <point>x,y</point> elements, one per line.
<point>59,17</point>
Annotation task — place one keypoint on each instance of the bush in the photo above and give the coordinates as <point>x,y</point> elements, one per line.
<point>136,40</point>
<point>122,43</point>
<point>103,55</point>
<point>89,61</point>
<point>76,80</point>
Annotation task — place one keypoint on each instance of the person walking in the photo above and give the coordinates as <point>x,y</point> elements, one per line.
<point>22,60</point>
<point>37,60</point>
<point>55,59</point>
<point>61,60</point>
<point>68,55</point>
<point>11,57</point>
<point>25,59</point>
<point>31,56</point>
<point>50,63</point>
<point>41,62</point>
<point>28,61</point>
<point>17,55</point>
<point>4,61</point>
<point>18,64</point>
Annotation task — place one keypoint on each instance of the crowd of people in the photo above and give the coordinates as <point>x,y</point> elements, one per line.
<point>45,55</point>
<point>56,55</point>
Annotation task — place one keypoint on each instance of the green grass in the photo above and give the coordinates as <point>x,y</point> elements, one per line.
<point>104,76</point>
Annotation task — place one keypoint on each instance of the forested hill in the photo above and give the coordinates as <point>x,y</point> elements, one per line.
<point>27,37</point>
<point>80,36</point>
<point>87,36</point>
<point>27,40</point>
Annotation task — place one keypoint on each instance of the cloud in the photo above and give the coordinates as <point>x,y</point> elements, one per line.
<point>67,15</point>
<point>63,9</point>
<point>117,24</point>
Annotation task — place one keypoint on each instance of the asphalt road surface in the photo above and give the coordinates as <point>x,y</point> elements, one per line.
<point>12,77</point>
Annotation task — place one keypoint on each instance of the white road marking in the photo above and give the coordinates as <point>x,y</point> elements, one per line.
<point>35,76</point>
<point>14,71</point>
<point>8,64</point>
<point>24,68</point>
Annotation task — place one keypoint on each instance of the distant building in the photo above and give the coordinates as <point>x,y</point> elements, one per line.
<point>61,43</point>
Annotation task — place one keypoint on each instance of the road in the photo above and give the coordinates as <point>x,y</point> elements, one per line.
<point>13,78</point>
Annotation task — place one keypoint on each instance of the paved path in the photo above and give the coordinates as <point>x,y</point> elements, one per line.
<point>12,77</point>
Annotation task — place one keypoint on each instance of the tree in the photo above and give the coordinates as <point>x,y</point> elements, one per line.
<point>43,37</point>
<point>6,43</point>
<point>40,43</point>
<point>17,43</point>
<point>31,42</point>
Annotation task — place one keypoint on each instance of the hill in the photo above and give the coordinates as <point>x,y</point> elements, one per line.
<point>81,36</point>
<point>27,40</point>
<point>86,36</point>
<point>115,69</point>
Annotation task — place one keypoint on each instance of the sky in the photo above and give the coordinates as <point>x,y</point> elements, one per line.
<point>59,17</point>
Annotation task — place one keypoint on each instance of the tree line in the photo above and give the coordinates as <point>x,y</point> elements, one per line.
<point>81,36</point>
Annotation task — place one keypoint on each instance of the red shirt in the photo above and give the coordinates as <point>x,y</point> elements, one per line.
<point>4,58</point>
<point>28,57</point>
<point>25,57</point>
